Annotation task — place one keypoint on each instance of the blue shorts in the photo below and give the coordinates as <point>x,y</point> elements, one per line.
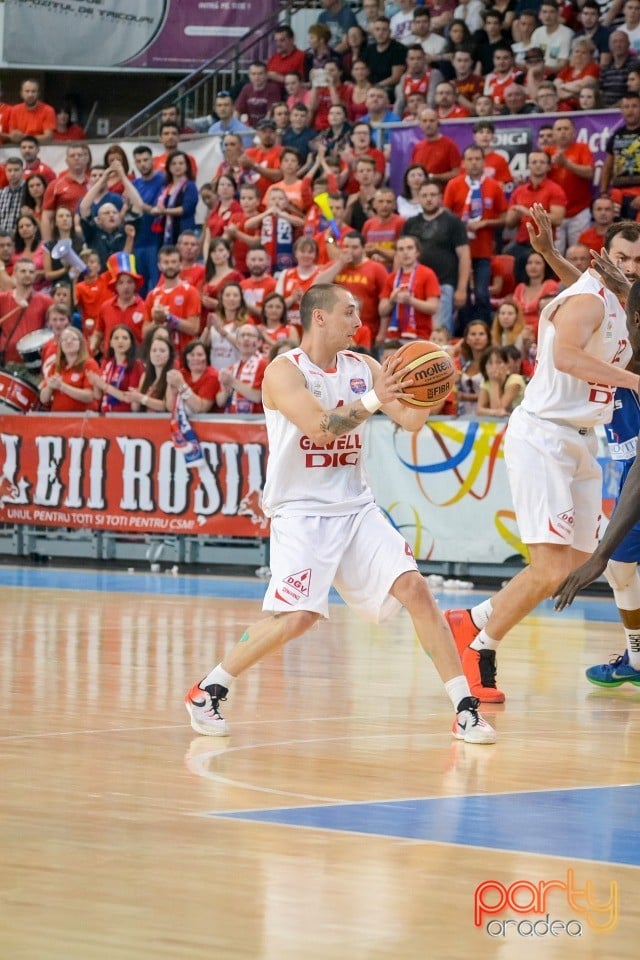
<point>629,549</point>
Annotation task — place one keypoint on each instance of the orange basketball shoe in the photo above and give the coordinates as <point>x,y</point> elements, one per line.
<point>478,666</point>
<point>462,627</point>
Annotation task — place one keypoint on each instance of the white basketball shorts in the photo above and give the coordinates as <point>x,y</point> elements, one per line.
<point>555,480</point>
<point>361,554</point>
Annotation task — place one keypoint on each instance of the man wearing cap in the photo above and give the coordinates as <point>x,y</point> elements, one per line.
<point>262,163</point>
<point>125,307</point>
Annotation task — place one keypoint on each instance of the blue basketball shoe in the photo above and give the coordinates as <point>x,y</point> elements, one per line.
<point>614,673</point>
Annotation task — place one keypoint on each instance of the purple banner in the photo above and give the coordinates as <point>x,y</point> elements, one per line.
<point>514,138</point>
<point>145,34</point>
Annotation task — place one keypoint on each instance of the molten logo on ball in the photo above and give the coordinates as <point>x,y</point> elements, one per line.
<point>430,375</point>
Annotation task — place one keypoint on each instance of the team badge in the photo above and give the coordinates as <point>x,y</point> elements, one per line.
<point>357,385</point>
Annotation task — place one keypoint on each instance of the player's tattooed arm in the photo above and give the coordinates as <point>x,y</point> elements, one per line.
<point>343,419</point>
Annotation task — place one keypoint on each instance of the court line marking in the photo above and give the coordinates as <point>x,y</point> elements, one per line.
<point>415,841</point>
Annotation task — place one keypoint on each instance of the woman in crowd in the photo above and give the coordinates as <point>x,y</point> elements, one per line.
<point>154,392</point>
<point>528,294</point>
<point>27,241</point>
<point>458,38</point>
<point>296,90</point>
<point>407,202</point>
<point>115,152</point>
<point>333,92</point>
<point>218,272</point>
<point>335,136</point>
<point>589,97</point>
<point>32,194</point>
<point>508,324</point>
<point>65,129</point>
<point>581,71</point>
<point>361,85</point>
<point>63,229</point>
<point>358,40</point>
<point>176,205</point>
<point>274,326</point>
<point>319,54</point>
<point>195,382</point>
<point>227,206</point>
<point>477,337</point>
<point>69,389</point>
<point>501,391</point>
<point>219,335</point>
<point>120,372</point>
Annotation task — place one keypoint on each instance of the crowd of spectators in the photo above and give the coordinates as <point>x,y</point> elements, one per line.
<point>167,306</point>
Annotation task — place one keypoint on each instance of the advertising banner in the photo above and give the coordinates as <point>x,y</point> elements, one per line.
<point>147,34</point>
<point>445,487</point>
<point>123,474</point>
<point>514,138</point>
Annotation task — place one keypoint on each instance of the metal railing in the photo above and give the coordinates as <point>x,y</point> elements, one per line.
<point>195,94</point>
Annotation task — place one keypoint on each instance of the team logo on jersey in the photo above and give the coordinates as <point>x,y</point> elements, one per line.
<point>357,385</point>
<point>316,388</point>
<point>179,301</point>
<point>293,588</point>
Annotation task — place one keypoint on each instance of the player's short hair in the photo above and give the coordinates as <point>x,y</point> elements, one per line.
<point>322,296</point>
<point>627,229</point>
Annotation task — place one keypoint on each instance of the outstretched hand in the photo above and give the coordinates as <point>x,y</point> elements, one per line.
<point>566,593</point>
<point>610,274</point>
<point>540,230</point>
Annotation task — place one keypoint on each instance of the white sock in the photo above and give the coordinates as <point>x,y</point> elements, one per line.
<point>458,689</point>
<point>218,675</point>
<point>484,642</point>
<point>481,612</point>
<point>633,647</point>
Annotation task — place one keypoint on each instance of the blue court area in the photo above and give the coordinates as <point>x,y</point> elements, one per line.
<point>185,585</point>
<point>598,823</point>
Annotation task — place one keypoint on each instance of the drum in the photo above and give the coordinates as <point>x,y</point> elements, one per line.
<point>17,393</point>
<point>30,347</point>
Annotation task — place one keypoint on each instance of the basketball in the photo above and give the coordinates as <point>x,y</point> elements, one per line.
<point>433,370</point>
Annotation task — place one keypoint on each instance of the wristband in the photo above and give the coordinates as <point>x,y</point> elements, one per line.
<point>143,400</point>
<point>187,394</point>
<point>172,321</point>
<point>370,401</point>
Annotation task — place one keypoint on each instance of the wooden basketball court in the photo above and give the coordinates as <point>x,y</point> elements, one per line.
<point>340,821</point>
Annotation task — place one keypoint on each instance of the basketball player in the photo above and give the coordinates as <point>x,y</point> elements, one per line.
<point>618,553</point>
<point>550,452</point>
<point>325,526</point>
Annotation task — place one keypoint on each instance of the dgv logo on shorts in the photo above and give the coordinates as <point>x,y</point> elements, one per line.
<point>294,587</point>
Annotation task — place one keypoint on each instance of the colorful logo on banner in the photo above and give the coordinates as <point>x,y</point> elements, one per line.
<point>470,454</point>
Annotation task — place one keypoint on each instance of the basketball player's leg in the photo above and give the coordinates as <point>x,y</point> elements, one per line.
<point>297,596</point>
<point>555,484</point>
<point>390,579</point>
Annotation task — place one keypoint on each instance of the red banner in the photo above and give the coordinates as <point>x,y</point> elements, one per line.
<point>123,474</point>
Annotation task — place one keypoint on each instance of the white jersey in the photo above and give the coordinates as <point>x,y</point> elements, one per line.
<point>552,395</point>
<point>302,477</point>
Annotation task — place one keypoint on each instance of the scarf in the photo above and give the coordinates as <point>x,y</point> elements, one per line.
<point>170,197</point>
<point>244,371</point>
<point>183,436</point>
<point>473,205</point>
<point>405,327</point>
<point>114,374</point>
